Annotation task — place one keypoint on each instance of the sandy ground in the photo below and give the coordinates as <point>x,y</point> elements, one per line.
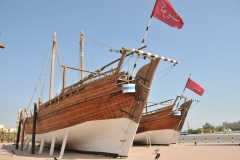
<point>183,151</point>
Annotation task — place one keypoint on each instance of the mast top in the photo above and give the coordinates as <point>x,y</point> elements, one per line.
<point>54,37</point>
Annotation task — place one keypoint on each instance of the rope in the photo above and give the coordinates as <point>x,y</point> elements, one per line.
<point>102,45</point>
<point>127,61</point>
<point>41,93</point>
<point>72,59</point>
<point>194,105</point>
<point>38,81</point>
<point>59,63</point>
<point>143,85</point>
<point>164,70</point>
<point>164,74</point>
<point>90,55</point>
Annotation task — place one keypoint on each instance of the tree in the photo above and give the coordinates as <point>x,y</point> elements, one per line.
<point>219,128</point>
<point>199,130</point>
<point>2,133</point>
<point>190,131</point>
<point>208,126</point>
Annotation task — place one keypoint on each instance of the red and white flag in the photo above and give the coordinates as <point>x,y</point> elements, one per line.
<point>164,11</point>
<point>194,87</point>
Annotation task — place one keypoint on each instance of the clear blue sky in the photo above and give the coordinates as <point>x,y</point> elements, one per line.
<point>208,47</point>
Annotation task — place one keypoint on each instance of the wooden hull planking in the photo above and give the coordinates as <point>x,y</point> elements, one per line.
<point>97,101</point>
<point>162,120</point>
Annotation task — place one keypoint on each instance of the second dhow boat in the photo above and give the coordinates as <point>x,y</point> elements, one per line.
<point>100,113</point>
<point>161,127</point>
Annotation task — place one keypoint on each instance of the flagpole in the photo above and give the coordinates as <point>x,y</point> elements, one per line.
<point>183,91</point>
<point>145,35</point>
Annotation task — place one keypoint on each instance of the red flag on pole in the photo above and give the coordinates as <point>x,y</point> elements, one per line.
<point>164,11</point>
<point>194,87</point>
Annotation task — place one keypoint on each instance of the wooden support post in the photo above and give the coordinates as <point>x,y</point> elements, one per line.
<point>22,138</point>
<point>41,146</point>
<point>18,134</point>
<point>26,143</point>
<point>39,102</point>
<point>34,128</point>
<point>64,144</point>
<point>23,124</point>
<point>19,128</point>
<point>52,145</point>
<point>149,139</point>
<point>64,77</point>
<point>30,146</point>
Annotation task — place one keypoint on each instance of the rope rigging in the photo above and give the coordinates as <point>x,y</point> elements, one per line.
<point>171,67</point>
<point>38,80</point>
<point>193,106</point>
<point>41,93</point>
<point>102,45</point>
<point>90,55</point>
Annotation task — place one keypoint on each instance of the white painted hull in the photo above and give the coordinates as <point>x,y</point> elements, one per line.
<point>175,137</point>
<point>113,136</point>
<point>156,137</point>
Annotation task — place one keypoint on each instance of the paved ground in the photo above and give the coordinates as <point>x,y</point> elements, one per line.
<point>186,151</point>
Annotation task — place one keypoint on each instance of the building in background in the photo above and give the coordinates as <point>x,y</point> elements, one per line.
<point>233,126</point>
<point>2,126</point>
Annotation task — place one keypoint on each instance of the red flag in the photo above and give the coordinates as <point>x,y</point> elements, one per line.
<point>164,11</point>
<point>194,87</point>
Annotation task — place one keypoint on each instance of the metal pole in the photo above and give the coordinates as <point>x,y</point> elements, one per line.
<point>145,35</point>
<point>34,128</point>
<point>52,67</point>
<point>183,91</point>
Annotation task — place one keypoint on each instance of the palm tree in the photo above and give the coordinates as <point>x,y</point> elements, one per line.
<point>2,133</point>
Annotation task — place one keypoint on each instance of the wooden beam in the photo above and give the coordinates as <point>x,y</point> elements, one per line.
<point>2,45</point>
<point>79,69</point>
<point>34,128</point>
<point>64,77</point>
<point>18,134</point>
<point>121,62</point>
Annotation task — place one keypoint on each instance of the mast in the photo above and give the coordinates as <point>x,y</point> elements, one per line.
<point>81,64</point>
<point>52,66</point>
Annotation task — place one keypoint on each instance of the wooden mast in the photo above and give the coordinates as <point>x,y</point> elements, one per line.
<point>52,66</point>
<point>81,64</point>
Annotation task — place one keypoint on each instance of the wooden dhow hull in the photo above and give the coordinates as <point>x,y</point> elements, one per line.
<point>96,116</point>
<point>160,127</point>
